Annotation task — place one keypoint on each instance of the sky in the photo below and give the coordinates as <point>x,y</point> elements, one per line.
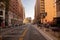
<point>29,7</point>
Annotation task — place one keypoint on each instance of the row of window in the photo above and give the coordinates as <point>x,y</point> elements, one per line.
<point>42,4</point>
<point>13,6</point>
<point>42,10</point>
<point>42,0</point>
<point>14,1</point>
<point>42,7</point>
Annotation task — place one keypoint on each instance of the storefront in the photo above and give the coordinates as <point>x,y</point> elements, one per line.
<point>2,13</point>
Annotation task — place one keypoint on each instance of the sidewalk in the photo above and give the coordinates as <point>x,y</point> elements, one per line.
<point>46,34</point>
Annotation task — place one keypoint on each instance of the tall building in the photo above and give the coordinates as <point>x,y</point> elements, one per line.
<point>39,10</point>
<point>57,18</point>
<point>50,8</point>
<point>58,8</point>
<point>22,11</point>
<point>13,13</point>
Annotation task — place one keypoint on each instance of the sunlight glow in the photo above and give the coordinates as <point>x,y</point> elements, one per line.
<point>29,8</point>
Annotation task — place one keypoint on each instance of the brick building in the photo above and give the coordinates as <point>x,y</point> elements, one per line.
<point>13,12</point>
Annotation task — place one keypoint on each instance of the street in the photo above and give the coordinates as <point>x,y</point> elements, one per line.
<point>33,34</point>
<point>29,19</point>
<point>25,32</point>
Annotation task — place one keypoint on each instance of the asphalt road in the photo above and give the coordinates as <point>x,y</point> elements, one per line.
<point>33,34</point>
<point>21,33</point>
<point>13,33</point>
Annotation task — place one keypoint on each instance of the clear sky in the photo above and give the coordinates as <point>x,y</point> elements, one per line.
<point>29,7</point>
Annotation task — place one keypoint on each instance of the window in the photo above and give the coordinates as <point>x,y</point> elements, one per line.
<point>42,0</point>
<point>42,10</point>
<point>42,5</point>
<point>1,12</point>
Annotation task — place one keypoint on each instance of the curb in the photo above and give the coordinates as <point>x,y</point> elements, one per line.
<point>48,37</point>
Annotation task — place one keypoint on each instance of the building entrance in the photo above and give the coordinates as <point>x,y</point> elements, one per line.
<point>1,20</point>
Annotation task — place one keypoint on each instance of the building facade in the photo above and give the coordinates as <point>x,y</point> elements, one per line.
<point>39,10</point>
<point>12,11</point>
<point>2,12</point>
<point>58,8</point>
<point>57,18</point>
<point>50,8</point>
<point>15,12</point>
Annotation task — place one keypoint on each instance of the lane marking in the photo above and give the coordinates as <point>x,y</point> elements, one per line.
<point>24,33</point>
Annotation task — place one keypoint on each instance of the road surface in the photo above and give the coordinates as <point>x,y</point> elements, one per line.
<point>24,32</point>
<point>33,34</point>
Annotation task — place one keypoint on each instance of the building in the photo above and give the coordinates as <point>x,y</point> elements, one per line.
<point>50,8</point>
<point>39,10</point>
<point>13,13</point>
<point>58,8</point>
<point>2,12</point>
<point>23,14</point>
<point>57,18</point>
<point>21,11</point>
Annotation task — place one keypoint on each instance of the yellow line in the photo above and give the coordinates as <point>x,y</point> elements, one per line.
<point>24,33</point>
